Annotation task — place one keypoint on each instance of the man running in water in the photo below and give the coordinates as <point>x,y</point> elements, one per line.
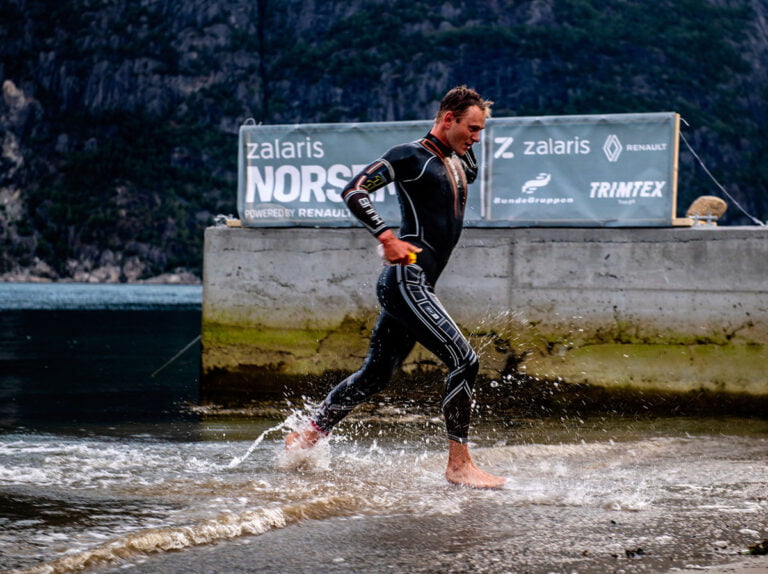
<point>431,176</point>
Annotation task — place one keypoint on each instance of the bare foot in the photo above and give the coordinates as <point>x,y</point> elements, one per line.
<point>462,471</point>
<point>307,437</point>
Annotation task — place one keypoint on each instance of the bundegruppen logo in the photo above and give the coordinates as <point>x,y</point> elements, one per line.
<point>612,147</point>
<point>541,180</point>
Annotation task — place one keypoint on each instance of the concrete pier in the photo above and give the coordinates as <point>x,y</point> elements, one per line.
<point>667,309</point>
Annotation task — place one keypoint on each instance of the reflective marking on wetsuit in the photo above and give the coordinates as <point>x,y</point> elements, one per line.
<point>409,210</point>
<point>414,215</point>
<point>459,182</point>
<point>416,298</point>
<point>426,163</point>
<point>388,166</point>
<point>375,166</point>
<point>427,308</point>
<point>447,342</point>
<point>463,386</point>
<point>374,222</point>
<point>432,146</point>
<point>356,194</point>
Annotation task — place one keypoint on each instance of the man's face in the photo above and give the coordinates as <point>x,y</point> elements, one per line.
<point>463,132</point>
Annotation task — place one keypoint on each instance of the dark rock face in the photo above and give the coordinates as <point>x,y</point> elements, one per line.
<point>118,118</point>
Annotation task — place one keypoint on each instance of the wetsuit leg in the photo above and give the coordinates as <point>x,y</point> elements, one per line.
<point>406,295</point>
<point>389,346</point>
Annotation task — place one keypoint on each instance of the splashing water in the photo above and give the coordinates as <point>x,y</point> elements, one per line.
<point>238,460</point>
<point>95,502</point>
<point>317,458</point>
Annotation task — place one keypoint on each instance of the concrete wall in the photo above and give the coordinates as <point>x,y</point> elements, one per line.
<point>670,309</point>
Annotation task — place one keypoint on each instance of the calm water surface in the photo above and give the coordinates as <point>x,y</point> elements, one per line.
<point>105,467</point>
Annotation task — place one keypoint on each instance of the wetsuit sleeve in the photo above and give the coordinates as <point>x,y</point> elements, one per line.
<point>398,163</point>
<point>470,165</point>
<point>356,194</point>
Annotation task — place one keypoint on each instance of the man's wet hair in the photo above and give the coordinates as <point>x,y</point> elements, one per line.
<point>458,99</point>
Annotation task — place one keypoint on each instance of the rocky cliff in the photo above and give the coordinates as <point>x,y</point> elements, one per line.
<point>118,118</point>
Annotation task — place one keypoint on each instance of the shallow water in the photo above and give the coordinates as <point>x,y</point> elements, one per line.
<point>641,497</point>
<point>154,487</point>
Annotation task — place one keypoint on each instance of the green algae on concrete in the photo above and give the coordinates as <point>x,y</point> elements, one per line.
<point>287,351</point>
<point>731,367</point>
<point>268,354</point>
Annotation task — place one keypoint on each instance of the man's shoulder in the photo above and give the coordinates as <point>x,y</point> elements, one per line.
<point>414,150</point>
<point>407,159</point>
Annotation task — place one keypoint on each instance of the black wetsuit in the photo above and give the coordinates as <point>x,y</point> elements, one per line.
<point>431,182</point>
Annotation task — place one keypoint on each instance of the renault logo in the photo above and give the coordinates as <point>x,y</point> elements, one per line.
<point>612,147</point>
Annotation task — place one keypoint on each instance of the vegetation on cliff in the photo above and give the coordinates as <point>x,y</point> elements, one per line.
<point>118,119</point>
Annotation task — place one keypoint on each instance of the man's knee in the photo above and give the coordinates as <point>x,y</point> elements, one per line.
<point>365,383</point>
<point>462,377</point>
<point>470,368</point>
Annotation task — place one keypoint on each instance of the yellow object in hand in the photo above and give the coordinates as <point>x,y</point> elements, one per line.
<point>411,259</point>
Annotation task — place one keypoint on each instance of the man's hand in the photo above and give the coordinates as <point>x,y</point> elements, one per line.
<point>396,251</point>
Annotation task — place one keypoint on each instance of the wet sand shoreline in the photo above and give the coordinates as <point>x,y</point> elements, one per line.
<point>751,565</point>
